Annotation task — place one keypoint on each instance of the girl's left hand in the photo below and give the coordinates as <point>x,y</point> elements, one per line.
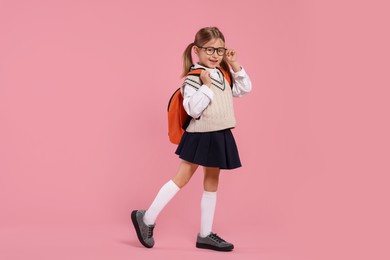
<point>231,56</point>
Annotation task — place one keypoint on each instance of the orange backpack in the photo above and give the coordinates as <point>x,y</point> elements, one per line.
<point>178,119</point>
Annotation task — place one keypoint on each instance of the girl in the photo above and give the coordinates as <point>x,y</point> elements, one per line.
<point>207,141</point>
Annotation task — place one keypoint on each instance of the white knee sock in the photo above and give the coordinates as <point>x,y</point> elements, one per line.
<point>166,193</point>
<point>207,205</point>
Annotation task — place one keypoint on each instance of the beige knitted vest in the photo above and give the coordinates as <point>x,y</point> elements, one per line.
<point>219,114</point>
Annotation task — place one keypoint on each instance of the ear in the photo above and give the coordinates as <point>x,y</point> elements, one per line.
<point>196,50</point>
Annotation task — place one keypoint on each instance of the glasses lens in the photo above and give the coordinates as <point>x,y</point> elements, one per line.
<point>209,51</point>
<point>221,51</point>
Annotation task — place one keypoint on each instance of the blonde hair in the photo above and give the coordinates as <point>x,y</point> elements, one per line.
<point>203,36</point>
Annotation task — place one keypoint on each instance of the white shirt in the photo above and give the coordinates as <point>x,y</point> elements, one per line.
<point>195,101</point>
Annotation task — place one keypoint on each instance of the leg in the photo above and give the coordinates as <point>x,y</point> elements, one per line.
<point>169,190</point>
<point>211,179</point>
<point>207,239</point>
<point>209,200</point>
<point>143,221</point>
<point>184,174</point>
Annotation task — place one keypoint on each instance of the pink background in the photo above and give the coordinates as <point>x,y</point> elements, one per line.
<point>84,87</point>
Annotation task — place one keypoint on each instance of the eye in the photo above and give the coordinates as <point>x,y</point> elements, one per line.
<point>221,51</point>
<point>210,50</point>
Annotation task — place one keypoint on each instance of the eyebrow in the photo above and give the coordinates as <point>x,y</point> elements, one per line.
<point>214,47</point>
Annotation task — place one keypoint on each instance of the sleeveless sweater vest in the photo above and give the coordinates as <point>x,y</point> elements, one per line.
<point>219,114</point>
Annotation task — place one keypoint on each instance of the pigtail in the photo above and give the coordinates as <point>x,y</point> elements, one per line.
<point>187,60</point>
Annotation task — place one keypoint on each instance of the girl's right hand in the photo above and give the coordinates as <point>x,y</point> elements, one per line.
<point>205,78</point>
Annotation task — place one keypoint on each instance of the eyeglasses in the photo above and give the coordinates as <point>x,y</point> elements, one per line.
<point>210,50</point>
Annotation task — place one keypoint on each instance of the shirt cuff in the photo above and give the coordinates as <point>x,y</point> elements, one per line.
<point>240,73</point>
<point>207,91</point>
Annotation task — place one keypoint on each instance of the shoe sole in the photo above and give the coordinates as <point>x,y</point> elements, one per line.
<point>221,249</point>
<point>135,223</point>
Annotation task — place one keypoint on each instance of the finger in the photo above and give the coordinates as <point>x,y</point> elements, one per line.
<point>205,73</point>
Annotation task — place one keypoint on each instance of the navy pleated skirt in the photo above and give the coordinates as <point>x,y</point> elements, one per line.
<point>210,149</point>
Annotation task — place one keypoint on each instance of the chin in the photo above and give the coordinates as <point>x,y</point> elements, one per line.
<point>213,66</point>
<point>210,65</point>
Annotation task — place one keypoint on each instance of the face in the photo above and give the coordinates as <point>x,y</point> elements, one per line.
<point>210,60</point>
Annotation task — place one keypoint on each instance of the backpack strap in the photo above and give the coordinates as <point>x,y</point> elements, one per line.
<point>195,72</point>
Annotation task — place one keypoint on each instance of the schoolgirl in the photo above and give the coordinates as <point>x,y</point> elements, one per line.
<point>208,140</point>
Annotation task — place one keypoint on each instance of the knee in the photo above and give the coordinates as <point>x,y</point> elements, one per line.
<point>181,179</point>
<point>184,174</point>
<point>181,182</point>
<point>210,184</point>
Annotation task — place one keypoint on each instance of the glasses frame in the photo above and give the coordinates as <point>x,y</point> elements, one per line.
<point>214,50</point>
